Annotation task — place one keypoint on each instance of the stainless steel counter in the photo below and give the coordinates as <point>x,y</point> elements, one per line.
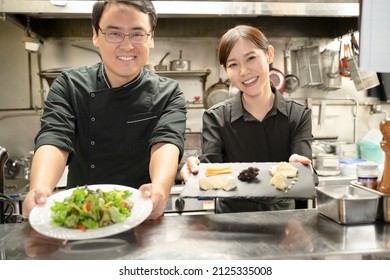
<point>294,234</point>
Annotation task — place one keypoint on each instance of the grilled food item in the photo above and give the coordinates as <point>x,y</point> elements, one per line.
<point>227,183</point>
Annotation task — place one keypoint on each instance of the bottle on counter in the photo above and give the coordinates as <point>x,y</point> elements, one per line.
<point>367,174</point>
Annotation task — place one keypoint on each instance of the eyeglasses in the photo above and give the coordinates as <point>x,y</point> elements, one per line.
<point>139,37</point>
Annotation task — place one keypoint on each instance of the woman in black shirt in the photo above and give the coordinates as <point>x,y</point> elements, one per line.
<point>255,125</point>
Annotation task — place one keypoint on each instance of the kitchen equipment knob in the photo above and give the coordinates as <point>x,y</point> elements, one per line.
<point>11,169</point>
<point>179,204</point>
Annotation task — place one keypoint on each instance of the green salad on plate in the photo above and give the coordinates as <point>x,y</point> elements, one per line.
<point>89,209</point>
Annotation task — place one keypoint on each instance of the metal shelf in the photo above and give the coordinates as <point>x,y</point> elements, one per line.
<point>202,74</point>
<point>195,106</point>
<point>191,73</point>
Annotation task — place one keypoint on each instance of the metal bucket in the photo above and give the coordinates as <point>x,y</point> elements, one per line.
<point>180,64</point>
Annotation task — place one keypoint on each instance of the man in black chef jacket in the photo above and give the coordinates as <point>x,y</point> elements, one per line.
<point>114,122</point>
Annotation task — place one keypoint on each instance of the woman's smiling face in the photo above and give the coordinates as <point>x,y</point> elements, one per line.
<point>247,67</point>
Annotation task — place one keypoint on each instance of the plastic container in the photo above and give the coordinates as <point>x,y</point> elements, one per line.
<point>367,174</point>
<point>327,165</point>
<point>371,151</point>
<point>370,148</point>
<point>348,166</point>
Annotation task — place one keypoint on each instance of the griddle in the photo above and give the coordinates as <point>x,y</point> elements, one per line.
<point>260,187</point>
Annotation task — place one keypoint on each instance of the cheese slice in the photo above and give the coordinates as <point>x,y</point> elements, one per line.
<point>227,183</point>
<point>284,168</point>
<point>211,170</point>
<point>279,181</point>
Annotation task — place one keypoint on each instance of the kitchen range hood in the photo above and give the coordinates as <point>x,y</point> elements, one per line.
<point>82,9</point>
<point>305,18</point>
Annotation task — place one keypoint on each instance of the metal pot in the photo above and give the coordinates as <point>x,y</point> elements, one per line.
<point>160,66</point>
<point>180,64</point>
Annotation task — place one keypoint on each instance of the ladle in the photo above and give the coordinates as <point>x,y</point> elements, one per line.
<point>335,74</point>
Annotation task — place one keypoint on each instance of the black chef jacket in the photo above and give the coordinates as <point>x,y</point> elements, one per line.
<point>109,131</point>
<point>231,134</point>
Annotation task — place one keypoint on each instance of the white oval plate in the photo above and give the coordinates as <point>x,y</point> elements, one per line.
<point>40,216</point>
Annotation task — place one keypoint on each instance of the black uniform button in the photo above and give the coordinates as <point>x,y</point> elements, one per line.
<point>92,166</point>
<point>93,119</point>
<point>92,94</point>
<point>92,143</point>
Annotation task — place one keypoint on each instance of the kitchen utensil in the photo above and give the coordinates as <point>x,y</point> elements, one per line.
<point>277,78</point>
<point>309,63</point>
<point>217,92</point>
<point>331,70</point>
<point>336,73</point>
<point>292,81</point>
<point>180,64</point>
<point>362,79</point>
<point>354,44</point>
<point>344,71</point>
<point>321,114</point>
<point>383,213</point>
<point>347,204</point>
<point>160,66</point>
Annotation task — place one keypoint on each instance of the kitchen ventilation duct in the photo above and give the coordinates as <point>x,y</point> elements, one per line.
<point>82,9</point>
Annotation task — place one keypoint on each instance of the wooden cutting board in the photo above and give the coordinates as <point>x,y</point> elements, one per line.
<point>260,187</point>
